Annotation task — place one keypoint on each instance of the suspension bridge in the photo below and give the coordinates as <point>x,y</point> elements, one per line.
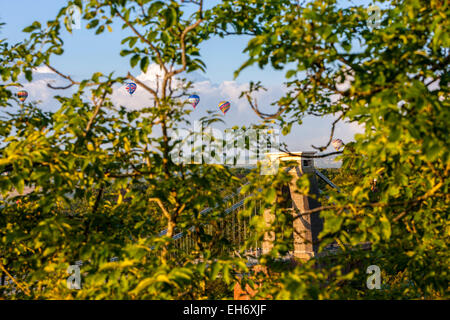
<point>305,228</point>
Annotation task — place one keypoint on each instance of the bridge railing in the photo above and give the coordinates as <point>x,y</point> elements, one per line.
<point>234,227</point>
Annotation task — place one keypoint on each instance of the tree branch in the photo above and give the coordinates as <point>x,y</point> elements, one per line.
<point>373,205</point>
<point>331,134</point>
<point>312,157</point>
<point>153,47</point>
<point>266,116</point>
<point>97,109</point>
<point>72,82</point>
<point>183,44</point>
<point>14,280</point>
<point>165,212</point>
<point>153,92</point>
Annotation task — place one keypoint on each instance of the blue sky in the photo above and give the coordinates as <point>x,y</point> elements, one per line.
<point>222,56</point>
<point>86,53</point>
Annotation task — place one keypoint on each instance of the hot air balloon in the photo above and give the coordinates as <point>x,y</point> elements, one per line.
<point>22,95</point>
<point>194,100</point>
<point>337,144</point>
<point>224,106</point>
<point>131,87</point>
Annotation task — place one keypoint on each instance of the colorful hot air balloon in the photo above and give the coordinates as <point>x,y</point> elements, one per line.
<point>131,87</point>
<point>194,100</point>
<point>22,95</point>
<point>337,144</point>
<point>224,106</point>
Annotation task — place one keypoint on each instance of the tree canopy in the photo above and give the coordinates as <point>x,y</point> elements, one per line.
<point>104,184</point>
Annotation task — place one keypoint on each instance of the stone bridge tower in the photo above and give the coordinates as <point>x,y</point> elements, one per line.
<point>306,228</point>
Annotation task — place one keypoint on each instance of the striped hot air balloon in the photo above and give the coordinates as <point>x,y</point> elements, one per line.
<point>22,95</point>
<point>337,144</point>
<point>224,106</point>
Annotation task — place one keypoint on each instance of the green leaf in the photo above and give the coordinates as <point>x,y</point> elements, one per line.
<point>93,24</point>
<point>139,224</point>
<point>144,64</point>
<point>96,76</point>
<point>143,285</point>
<point>19,184</point>
<point>29,75</point>
<point>154,8</point>
<point>125,52</point>
<point>134,60</point>
<point>132,42</point>
<point>290,73</point>
<point>394,134</point>
<point>100,29</point>
<point>271,195</point>
<point>215,269</point>
<point>433,150</point>
<point>385,227</point>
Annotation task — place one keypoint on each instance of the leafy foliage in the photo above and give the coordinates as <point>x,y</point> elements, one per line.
<point>104,184</point>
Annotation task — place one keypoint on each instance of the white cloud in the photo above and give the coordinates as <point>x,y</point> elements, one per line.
<point>39,92</point>
<point>349,77</point>
<point>43,69</point>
